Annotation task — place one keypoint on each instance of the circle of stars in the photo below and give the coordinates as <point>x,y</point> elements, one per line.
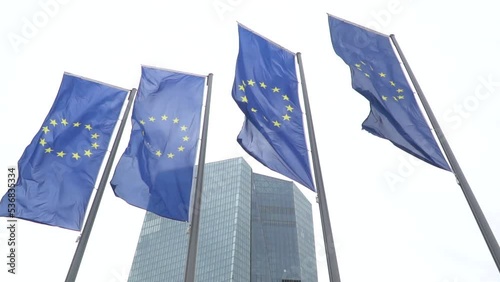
<point>165,118</point>
<point>275,90</point>
<point>53,123</point>
<point>381,75</point>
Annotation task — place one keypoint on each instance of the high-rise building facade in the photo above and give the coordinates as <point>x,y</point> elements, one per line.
<point>282,232</point>
<point>252,228</point>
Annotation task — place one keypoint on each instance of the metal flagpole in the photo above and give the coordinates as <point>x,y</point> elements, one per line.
<point>331,257</point>
<point>488,235</point>
<point>195,218</point>
<point>82,243</point>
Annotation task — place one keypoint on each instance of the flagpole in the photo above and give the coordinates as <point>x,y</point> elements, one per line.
<point>82,243</point>
<point>331,257</point>
<point>488,235</point>
<point>189,273</point>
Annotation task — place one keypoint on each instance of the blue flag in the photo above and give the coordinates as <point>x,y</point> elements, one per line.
<point>156,171</point>
<point>266,90</point>
<point>378,76</point>
<point>58,170</point>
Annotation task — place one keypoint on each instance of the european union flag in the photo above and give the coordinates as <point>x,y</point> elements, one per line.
<point>378,76</point>
<point>58,170</point>
<point>156,171</point>
<point>266,90</point>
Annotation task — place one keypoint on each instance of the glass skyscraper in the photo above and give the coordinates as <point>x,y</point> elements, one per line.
<point>252,228</point>
<point>282,232</point>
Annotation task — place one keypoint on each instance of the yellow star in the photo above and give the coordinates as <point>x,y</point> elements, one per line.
<point>400,90</point>
<point>61,154</point>
<point>401,97</point>
<point>244,99</point>
<point>363,63</point>
<point>185,138</point>
<point>184,128</point>
<point>42,142</point>
<point>142,122</point>
<point>392,83</point>
<point>181,149</point>
<point>285,97</point>
<point>95,136</point>
<point>289,108</point>
<point>367,75</point>
<point>276,123</point>
<point>382,74</point>
<point>170,155</point>
<point>384,98</point>
<point>152,119</point>
<point>358,66</point>
<point>48,150</point>
<point>243,82</point>
<point>164,117</point>
<point>75,156</point>
<point>241,87</point>
<point>95,145</point>
<point>87,126</point>
<point>286,117</point>
<point>263,85</point>
<point>158,153</point>
<point>176,120</point>
<point>53,122</point>
<point>254,110</point>
<point>251,82</point>
<point>76,124</point>
<point>87,153</point>
<point>395,98</point>
<point>64,122</point>
<point>45,129</point>
<point>276,89</point>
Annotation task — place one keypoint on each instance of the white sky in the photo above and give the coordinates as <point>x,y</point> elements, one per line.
<point>418,228</point>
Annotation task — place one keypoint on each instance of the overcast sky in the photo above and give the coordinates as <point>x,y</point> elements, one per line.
<point>393,218</point>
